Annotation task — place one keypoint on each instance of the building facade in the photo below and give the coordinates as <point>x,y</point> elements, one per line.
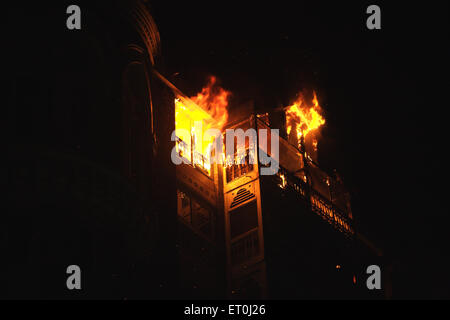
<point>287,235</point>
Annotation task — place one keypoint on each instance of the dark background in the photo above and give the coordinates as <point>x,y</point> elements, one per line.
<point>382,92</point>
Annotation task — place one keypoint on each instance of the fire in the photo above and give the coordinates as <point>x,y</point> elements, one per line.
<point>214,100</point>
<point>303,117</point>
<point>206,110</point>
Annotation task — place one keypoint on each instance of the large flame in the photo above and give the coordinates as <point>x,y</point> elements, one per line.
<point>303,117</point>
<point>206,110</point>
<point>214,100</point>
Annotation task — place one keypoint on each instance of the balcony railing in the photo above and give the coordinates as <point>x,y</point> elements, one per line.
<point>234,171</point>
<point>318,203</point>
<point>330,213</point>
<point>199,160</point>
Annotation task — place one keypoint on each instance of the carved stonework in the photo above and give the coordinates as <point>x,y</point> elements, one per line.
<point>146,27</point>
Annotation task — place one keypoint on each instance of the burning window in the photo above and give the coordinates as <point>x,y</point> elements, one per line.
<point>190,121</point>
<point>236,168</point>
<point>241,161</point>
<point>302,118</point>
<point>193,117</point>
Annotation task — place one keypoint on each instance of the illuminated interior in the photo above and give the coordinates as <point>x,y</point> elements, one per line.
<point>191,122</point>
<point>193,117</point>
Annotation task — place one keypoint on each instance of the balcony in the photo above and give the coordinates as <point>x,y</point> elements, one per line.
<point>322,193</point>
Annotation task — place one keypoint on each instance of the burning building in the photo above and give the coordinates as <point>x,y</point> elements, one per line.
<point>98,168</point>
<point>286,235</point>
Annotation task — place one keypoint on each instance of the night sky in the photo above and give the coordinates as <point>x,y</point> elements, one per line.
<point>382,92</point>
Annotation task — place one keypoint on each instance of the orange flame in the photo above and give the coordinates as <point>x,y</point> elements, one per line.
<point>214,100</point>
<point>302,117</point>
<point>191,122</point>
